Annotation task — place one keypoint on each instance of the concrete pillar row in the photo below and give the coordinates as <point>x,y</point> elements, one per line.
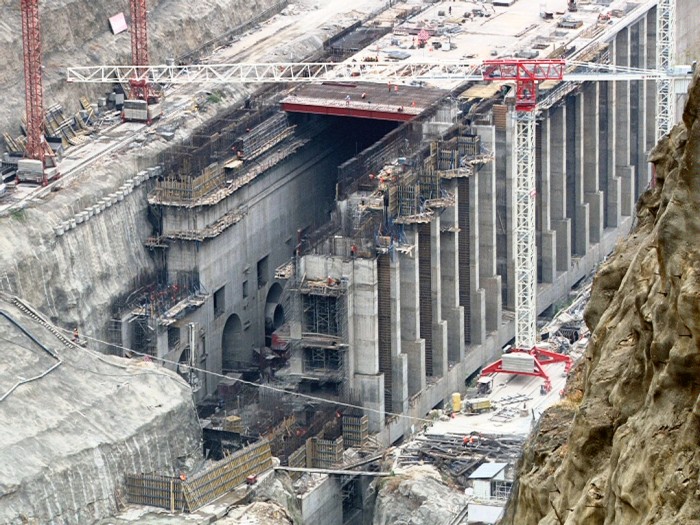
<point>449,276</point>
<point>399,360</point>
<point>364,339</point>
<point>489,281</point>
<point>412,346</point>
<point>592,195</point>
<point>580,211</point>
<point>557,166</point>
<point>546,247</point>
<point>440,360</point>
<point>623,165</point>
<point>477,306</point>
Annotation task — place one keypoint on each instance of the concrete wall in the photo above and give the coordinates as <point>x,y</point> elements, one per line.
<point>323,505</point>
<point>687,36</point>
<point>268,229</point>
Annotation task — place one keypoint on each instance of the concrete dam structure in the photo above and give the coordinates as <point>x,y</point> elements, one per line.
<point>322,264</point>
<point>350,260</point>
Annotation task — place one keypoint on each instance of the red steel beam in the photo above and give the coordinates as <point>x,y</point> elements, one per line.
<point>33,88</point>
<point>527,74</point>
<point>347,112</point>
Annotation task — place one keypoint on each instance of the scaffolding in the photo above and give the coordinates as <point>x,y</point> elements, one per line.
<point>263,137</point>
<point>323,344</point>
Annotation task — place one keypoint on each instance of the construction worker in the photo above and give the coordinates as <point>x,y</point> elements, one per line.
<point>76,337</point>
<point>347,100</point>
<point>353,251</point>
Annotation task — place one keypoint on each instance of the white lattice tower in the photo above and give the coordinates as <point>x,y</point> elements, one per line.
<point>665,60</point>
<point>524,230</point>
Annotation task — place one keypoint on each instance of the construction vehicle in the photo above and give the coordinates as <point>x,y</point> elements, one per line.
<point>476,405</point>
<point>484,385</point>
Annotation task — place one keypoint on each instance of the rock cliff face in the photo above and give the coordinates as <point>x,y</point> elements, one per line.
<point>631,453</point>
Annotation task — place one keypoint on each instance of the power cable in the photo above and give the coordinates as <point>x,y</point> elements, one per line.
<point>250,383</point>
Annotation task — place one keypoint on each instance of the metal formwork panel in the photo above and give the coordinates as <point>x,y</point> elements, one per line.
<point>464,257</point>
<point>425,294</point>
<point>384,326</point>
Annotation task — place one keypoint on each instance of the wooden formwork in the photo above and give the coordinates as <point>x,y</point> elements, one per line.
<point>297,459</point>
<point>355,431</point>
<point>156,491</point>
<point>190,189</point>
<point>190,494</point>
<point>206,486</point>
<point>324,453</point>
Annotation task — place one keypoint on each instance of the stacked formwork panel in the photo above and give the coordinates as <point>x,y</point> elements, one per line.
<point>355,431</point>
<point>425,293</point>
<point>324,453</point>
<point>384,326</point>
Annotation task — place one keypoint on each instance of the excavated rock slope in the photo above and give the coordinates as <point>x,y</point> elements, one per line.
<point>631,454</point>
<point>77,33</point>
<point>70,436</point>
<point>417,496</point>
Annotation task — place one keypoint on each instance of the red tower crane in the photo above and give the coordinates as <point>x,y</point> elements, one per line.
<point>140,88</point>
<point>34,93</point>
<point>37,147</point>
<point>527,74</point>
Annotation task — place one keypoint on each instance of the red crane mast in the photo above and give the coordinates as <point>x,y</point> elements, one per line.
<point>140,88</point>
<point>34,93</point>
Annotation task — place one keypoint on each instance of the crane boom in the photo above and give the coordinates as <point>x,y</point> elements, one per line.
<point>304,72</point>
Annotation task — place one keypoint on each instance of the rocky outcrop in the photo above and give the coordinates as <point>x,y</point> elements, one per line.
<point>417,496</point>
<point>631,455</point>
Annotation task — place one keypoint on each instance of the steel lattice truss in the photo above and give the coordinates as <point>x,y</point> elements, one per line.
<point>294,72</point>
<point>524,230</point>
<point>34,94</point>
<point>665,60</point>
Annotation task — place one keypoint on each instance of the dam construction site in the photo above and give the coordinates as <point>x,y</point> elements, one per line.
<point>325,263</point>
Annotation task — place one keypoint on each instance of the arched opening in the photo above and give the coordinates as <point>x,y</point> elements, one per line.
<point>274,312</point>
<point>231,344</point>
